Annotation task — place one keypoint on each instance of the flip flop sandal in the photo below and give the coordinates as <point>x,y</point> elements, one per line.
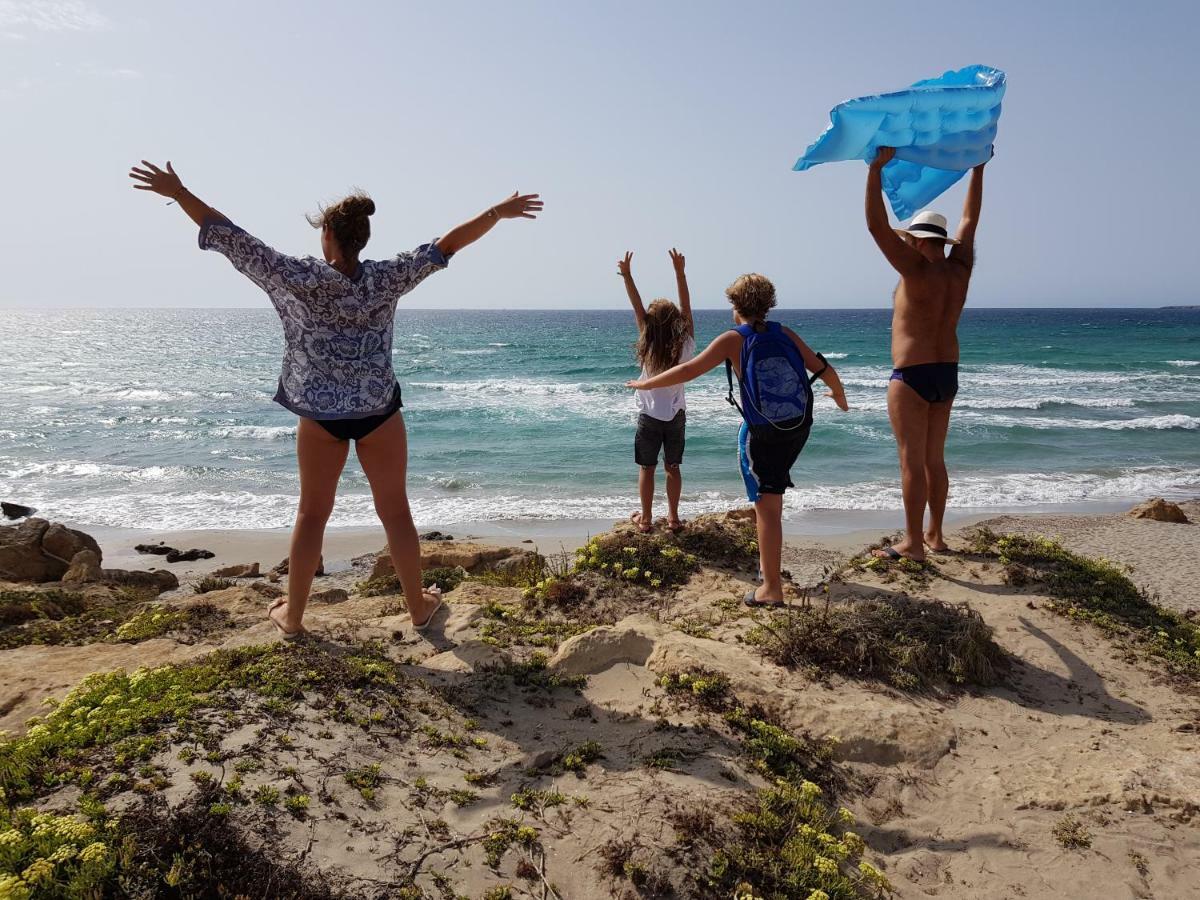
<point>642,528</point>
<point>766,604</point>
<point>283,633</point>
<point>435,592</point>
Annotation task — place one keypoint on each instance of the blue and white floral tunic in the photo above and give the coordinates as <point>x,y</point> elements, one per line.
<point>337,330</point>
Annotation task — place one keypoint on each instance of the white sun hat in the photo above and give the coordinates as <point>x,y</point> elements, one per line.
<point>928,224</point>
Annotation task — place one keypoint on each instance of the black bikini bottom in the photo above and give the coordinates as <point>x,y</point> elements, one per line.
<point>933,382</point>
<point>357,429</point>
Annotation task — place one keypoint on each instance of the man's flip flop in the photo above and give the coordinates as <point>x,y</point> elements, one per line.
<point>643,528</point>
<point>769,604</point>
<point>283,633</point>
<point>676,529</point>
<point>891,553</point>
<point>435,592</point>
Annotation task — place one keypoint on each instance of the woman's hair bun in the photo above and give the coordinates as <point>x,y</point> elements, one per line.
<point>359,205</point>
<point>347,219</point>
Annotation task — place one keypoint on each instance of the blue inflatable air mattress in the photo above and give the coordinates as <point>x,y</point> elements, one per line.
<point>941,127</point>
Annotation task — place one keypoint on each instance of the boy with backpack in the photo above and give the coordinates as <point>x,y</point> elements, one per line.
<point>772,364</point>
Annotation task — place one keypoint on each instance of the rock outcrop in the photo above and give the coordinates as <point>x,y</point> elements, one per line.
<point>1159,510</point>
<point>282,567</point>
<point>37,550</point>
<point>85,569</point>
<point>472,557</point>
<point>333,595</point>
<point>241,570</point>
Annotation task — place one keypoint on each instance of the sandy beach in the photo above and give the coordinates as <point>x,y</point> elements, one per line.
<point>1064,765</point>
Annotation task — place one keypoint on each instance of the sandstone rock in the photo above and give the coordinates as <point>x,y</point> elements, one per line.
<point>158,580</point>
<point>631,640</point>
<point>333,595</point>
<point>270,591</point>
<point>474,558</point>
<point>745,514</point>
<point>16,510</point>
<point>383,567</point>
<point>283,566</point>
<point>273,577</point>
<point>242,570</point>
<point>85,567</point>
<point>63,543</point>
<point>21,556</point>
<point>470,656</point>
<point>1159,510</point>
<point>514,563</point>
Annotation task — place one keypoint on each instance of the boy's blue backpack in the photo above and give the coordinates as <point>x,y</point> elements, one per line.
<point>775,385</point>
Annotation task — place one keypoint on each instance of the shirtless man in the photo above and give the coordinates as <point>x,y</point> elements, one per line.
<point>927,304</point>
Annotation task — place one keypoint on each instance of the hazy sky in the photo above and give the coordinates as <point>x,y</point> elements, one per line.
<point>643,125</point>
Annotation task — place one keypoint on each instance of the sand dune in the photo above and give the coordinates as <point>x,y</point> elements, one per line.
<point>957,789</point>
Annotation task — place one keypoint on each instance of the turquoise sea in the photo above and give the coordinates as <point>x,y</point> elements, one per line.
<point>162,419</point>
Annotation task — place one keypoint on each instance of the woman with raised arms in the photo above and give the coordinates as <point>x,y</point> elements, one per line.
<point>337,315</point>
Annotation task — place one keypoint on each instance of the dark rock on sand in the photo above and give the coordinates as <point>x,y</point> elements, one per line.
<point>436,536</point>
<point>37,550</point>
<point>267,590</point>
<point>155,549</point>
<point>174,556</point>
<point>16,510</point>
<point>282,567</point>
<point>1159,510</point>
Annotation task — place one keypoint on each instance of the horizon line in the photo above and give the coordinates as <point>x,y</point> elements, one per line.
<point>265,308</point>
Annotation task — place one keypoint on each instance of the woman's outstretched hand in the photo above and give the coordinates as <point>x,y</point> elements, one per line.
<point>677,260</point>
<point>152,178</point>
<point>623,265</point>
<point>519,206</point>
<point>636,385</point>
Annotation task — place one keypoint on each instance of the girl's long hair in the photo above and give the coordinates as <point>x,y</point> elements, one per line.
<point>663,334</point>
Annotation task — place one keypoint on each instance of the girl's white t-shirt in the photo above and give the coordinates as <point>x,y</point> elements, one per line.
<point>663,403</point>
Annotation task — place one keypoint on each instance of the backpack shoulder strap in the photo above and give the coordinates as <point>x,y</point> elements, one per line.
<point>821,371</point>
<point>729,370</point>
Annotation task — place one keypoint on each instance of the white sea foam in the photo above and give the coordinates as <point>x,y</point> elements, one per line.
<point>1183,363</point>
<point>254,432</point>
<point>836,355</point>
<point>250,509</point>
<point>1151,423</point>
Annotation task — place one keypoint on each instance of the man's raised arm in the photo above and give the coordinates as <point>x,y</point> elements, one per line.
<point>904,259</point>
<point>964,251</point>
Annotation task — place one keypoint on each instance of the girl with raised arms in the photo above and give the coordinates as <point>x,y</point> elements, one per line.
<point>666,337</point>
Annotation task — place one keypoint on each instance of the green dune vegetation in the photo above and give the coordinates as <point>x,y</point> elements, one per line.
<point>612,722</point>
